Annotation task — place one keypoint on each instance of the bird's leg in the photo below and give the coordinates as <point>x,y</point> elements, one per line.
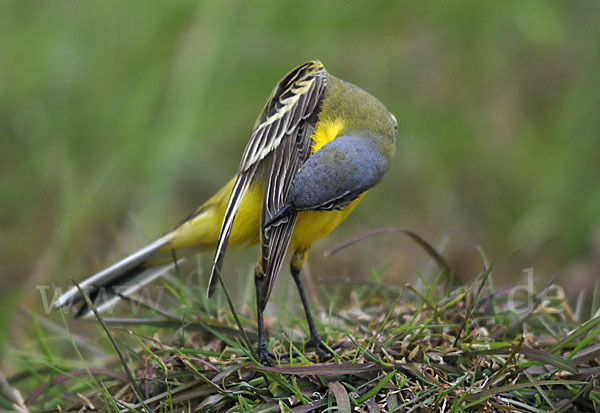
<point>262,352</point>
<point>315,339</point>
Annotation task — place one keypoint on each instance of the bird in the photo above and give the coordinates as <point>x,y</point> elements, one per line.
<point>319,144</point>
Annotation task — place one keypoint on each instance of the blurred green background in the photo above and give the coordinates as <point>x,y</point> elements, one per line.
<point>118,118</point>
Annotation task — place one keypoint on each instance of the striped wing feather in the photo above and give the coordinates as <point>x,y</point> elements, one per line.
<point>282,132</point>
<point>275,238</point>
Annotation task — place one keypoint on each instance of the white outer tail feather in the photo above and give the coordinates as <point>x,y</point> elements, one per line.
<point>125,289</point>
<point>106,277</point>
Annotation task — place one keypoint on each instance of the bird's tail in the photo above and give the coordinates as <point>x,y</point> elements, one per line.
<point>198,232</point>
<point>119,280</point>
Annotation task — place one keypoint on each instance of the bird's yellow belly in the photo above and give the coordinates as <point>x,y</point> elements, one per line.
<point>312,225</point>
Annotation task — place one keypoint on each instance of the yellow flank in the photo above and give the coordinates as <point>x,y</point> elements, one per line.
<point>201,231</point>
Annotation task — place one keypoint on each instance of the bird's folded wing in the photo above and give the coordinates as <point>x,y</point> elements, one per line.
<point>286,162</point>
<point>291,104</point>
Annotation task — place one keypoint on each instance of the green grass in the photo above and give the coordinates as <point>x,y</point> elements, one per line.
<point>433,348</point>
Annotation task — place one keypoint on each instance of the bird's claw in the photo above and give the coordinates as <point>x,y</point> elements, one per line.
<point>265,357</point>
<point>323,352</point>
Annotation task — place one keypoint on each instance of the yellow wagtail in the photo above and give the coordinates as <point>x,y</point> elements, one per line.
<point>318,145</point>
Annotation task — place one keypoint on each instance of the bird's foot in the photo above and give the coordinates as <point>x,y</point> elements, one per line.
<point>265,357</point>
<point>321,350</point>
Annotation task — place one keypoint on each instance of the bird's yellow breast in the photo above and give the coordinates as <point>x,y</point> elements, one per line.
<point>325,132</point>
